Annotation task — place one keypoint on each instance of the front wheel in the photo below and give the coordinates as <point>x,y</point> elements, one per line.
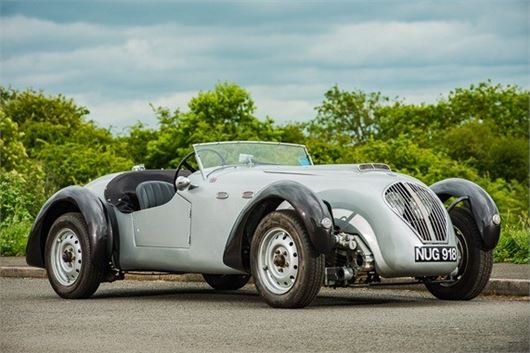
<point>67,258</point>
<point>474,264</point>
<point>287,270</point>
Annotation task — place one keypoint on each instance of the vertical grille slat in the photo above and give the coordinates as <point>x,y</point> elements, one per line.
<point>436,216</point>
<point>428,219</point>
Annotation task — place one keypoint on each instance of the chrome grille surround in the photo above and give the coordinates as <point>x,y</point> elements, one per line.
<point>419,207</point>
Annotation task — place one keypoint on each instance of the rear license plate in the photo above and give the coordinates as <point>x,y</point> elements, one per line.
<point>435,253</point>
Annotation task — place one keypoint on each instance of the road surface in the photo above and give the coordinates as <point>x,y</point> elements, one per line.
<point>132,316</point>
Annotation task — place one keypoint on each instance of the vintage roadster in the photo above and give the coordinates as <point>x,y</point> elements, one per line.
<point>232,210</point>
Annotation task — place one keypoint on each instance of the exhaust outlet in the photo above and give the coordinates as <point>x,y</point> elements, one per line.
<point>338,274</point>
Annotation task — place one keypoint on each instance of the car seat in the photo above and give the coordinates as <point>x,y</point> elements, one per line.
<point>154,193</point>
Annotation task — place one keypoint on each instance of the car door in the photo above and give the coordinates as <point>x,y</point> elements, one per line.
<point>167,226</point>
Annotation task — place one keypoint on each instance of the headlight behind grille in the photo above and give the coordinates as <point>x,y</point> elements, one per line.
<point>417,206</point>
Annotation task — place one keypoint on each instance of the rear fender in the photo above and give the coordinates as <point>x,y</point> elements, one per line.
<point>73,199</point>
<point>481,204</point>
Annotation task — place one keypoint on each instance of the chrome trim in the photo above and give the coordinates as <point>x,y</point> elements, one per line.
<point>221,195</point>
<point>367,167</point>
<point>248,142</point>
<point>421,210</point>
<point>247,194</point>
<point>496,219</point>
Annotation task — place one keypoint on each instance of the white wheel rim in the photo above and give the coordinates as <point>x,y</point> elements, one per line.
<point>278,261</point>
<point>462,262</point>
<point>66,257</point>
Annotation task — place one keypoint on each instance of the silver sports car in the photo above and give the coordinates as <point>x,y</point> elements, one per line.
<point>232,210</point>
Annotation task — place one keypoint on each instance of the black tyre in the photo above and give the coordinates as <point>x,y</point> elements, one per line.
<point>287,270</point>
<point>226,282</point>
<point>475,264</point>
<point>67,255</point>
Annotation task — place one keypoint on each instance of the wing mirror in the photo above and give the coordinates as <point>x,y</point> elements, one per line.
<point>182,183</point>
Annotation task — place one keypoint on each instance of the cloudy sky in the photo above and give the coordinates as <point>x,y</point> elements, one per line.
<point>117,57</point>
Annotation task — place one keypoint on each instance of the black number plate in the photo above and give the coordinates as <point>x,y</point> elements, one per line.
<point>435,253</point>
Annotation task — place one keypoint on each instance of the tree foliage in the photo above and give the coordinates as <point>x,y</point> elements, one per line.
<point>224,113</point>
<point>479,133</point>
<point>347,117</point>
<point>56,135</point>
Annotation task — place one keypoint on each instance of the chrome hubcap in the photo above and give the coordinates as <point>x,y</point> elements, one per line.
<point>278,261</point>
<point>461,258</point>
<point>66,257</point>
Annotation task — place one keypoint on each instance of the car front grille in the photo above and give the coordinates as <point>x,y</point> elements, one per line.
<point>420,209</point>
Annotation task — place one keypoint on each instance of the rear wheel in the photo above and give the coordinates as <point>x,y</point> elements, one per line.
<point>287,270</point>
<point>226,282</point>
<point>67,258</point>
<point>474,264</point>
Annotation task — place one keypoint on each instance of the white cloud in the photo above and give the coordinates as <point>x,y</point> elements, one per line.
<point>119,113</point>
<point>287,103</point>
<point>18,29</point>
<point>412,43</point>
<point>117,70</point>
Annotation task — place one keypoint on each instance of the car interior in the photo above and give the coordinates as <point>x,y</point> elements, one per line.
<point>138,190</point>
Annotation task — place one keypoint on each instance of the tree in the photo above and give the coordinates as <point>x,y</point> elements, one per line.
<point>77,164</point>
<point>506,106</point>
<point>135,142</point>
<point>57,136</point>
<point>479,144</point>
<point>41,117</point>
<point>12,151</point>
<point>420,123</point>
<point>347,117</point>
<point>224,113</point>
<point>22,189</point>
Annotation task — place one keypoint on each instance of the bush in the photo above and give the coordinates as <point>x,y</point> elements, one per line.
<point>77,164</point>
<point>405,156</point>
<point>21,198</point>
<point>14,236</point>
<point>513,244</point>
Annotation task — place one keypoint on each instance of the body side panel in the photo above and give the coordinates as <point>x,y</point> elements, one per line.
<point>211,220</point>
<point>167,225</point>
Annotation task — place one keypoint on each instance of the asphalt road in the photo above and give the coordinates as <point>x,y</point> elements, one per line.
<point>144,317</point>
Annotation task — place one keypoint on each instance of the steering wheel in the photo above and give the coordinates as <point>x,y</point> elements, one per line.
<point>184,163</point>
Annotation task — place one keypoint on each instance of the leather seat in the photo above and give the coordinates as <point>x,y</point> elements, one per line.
<point>154,193</point>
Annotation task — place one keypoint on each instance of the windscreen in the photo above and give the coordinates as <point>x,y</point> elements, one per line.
<point>251,154</point>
